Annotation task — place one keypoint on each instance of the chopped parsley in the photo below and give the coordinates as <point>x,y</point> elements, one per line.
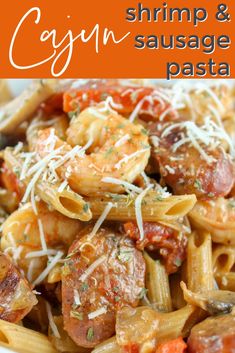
<point>90,334</point>
<point>142,293</point>
<point>231,203</point>
<point>86,207</point>
<point>177,262</point>
<point>73,113</point>
<point>211,194</point>
<point>76,315</point>
<point>125,255</point>
<point>84,287</point>
<point>198,185</point>
<point>144,131</point>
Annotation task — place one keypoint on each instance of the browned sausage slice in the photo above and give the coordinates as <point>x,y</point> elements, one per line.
<point>213,335</point>
<point>101,275</point>
<point>16,297</point>
<point>186,171</point>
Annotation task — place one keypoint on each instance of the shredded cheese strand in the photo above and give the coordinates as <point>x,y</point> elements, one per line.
<point>45,272</point>
<point>92,267</point>
<point>51,321</point>
<point>101,219</point>
<point>138,211</point>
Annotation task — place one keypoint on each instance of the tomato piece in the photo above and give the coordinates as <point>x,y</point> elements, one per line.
<point>157,237</point>
<point>175,346</point>
<point>124,99</point>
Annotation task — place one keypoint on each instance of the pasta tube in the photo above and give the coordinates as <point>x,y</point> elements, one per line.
<point>21,108</point>
<point>153,207</point>
<point>23,340</point>
<point>199,262</point>
<point>157,283</point>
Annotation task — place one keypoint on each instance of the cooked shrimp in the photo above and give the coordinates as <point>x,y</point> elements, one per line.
<point>16,297</point>
<point>116,148</point>
<point>217,217</point>
<point>100,276</point>
<point>59,122</point>
<point>21,235</point>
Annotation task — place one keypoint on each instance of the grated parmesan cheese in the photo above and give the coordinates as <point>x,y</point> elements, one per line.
<point>122,140</point>
<point>101,219</point>
<point>42,235</point>
<point>49,267</point>
<point>125,184</point>
<point>62,186</point>
<point>51,321</point>
<point>77,300</point>
<point>138,212</point>
<point>97,313</point>
<point>92,267</point>
<point>127,158</point>
<point>18,147</point>
<point>40,253</point>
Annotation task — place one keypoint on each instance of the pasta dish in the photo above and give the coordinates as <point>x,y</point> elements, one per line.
<point>117,209</point>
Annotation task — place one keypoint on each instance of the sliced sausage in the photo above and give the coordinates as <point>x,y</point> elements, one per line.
<point>16,297</point>
<point>185,171</point>
<point>169,244</point>
<point>213,335</point>
<point>102,273</point>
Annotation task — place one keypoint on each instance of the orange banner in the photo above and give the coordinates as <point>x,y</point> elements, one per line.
<point>73,38</point>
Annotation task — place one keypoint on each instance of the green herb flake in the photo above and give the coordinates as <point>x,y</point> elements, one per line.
<point>103,96</point>
<point>211,194</point>
<point>125,255</point>
<point>76,315</point>
<point>86,207</point>
<point>142,293</point>
<point>197,184</point>
<point>231,203</point>
<point>16,171</point>
<point>109,152</point>
<point>177,262</point>
<point>117,298</point>
<point>159,198</point>
<point>121,126</point>
<point>84,287</point>
<point>144,131</point>
<point>90,334</point>
<point>73,113</point>
<point>116,289</point>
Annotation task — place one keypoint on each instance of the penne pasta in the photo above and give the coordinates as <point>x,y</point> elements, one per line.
<point>157,284</point>
<point>226,280</point>
<point>223,258</point>
<point>66,201</point>
<point>108,346</point>
<point>199,262</point>
<point>23,340</point>
<point>177,297</point>
<point>22,107</point>
<point>117,217</point>
<point>153,207</point>
<point>5,94</point>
